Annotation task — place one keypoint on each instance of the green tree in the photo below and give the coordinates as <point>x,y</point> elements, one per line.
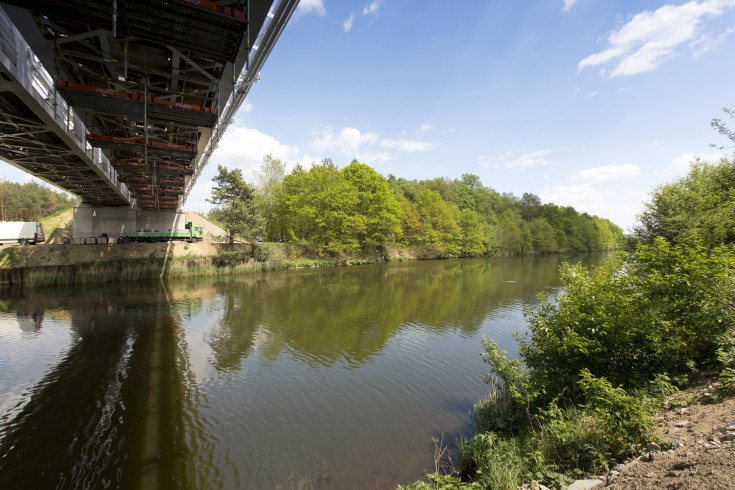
<point>234,203</point>
<point>319,207</point>
<point>700,203</point>
<point>472,233</point>
<point>377,210</point>
<point>267,178</point>
<point>437,221</point>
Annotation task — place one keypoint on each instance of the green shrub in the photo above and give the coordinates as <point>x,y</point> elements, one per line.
<point>662,313</point>
<point>262,252</point>
<point>230,258</point>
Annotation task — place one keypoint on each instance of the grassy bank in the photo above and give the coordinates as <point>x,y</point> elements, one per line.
<point>596,363</point>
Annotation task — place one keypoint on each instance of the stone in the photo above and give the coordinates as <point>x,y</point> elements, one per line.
<point>583,484</point>
<point>676,443</point>
<point>682,423</point>
<point>653,447</point>
<point>729,437</point>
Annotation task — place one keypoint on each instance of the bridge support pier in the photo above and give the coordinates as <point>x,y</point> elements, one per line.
<point>93,221</point>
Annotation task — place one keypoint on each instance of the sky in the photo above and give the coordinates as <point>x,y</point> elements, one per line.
<point>586,103</point>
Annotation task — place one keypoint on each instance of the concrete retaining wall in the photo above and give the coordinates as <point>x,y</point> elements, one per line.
<point>93,221</point>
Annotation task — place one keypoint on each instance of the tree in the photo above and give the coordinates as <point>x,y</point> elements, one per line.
<point>268,176</point>
<point>437,221</point>
<point>318,206</point>
<point>377,208</point>
<point>234,204</point>
<point>31,201</point>
<point>700,203</point>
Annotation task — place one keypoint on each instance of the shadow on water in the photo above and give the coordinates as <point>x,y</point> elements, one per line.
<point>118,409</point>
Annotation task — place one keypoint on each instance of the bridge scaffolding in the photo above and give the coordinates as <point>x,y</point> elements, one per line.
<point>123,102</point>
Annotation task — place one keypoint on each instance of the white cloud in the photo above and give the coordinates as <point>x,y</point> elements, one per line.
<point>568,5</point>
<point>409,146</point>
<point>372,9</point>
<point>707,42</point>
<point>316,6</point>
<point>580,196</point>
<point>244,148</point>
<point>650,38</point>
<point>680,166</point>
<point>427,127</point>
<point>372,158</point>
<point>347,141</point>
<point>347,25</point>
<point>607,172</point>
<point>527,160</point>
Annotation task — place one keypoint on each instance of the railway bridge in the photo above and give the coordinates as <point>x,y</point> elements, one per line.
<point>122,102</point>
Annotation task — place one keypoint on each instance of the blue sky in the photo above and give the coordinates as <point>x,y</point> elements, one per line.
<point>588,103</point>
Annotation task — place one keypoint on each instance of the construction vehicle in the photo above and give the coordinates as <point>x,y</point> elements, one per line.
<point>192,234</point>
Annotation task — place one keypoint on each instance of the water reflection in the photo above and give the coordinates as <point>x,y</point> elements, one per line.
<point>331,378</point>
<point>117,408</point>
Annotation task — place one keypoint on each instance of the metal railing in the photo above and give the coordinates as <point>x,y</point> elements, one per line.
<point>25,66</point>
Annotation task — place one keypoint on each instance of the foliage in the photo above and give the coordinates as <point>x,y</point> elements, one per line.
<point>268,177</point>
<point>700,204</point>
<point>338,210</point>
<point>662,312</point>
<point>230,258</point>
<point>234,204</point>
<point>31,201</point>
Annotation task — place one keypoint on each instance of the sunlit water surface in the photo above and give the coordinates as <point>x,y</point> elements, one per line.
<point>325,378</point>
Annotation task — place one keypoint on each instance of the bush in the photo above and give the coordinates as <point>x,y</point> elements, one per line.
<point>262,252</point>
<point>230,258</point>
<point>663,311</point>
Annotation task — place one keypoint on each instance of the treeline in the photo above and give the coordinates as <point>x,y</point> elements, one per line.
<point>31,201</point>
<point>342,210</point>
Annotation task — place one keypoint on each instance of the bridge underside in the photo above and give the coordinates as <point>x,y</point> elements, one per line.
<point>148,80</point>
<point>32,141</point>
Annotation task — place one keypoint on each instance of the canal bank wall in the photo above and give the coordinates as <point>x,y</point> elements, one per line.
<point>58,264</point>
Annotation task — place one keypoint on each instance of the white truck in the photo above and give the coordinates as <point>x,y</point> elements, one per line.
<point>23,232</point>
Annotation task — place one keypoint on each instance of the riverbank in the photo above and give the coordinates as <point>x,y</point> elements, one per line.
<point>57,264</point>
<point>595,366</point>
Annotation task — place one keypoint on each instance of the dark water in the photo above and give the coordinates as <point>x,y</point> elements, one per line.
<point>327,378</point>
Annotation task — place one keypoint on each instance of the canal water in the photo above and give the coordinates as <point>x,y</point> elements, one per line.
<point>323,378</point>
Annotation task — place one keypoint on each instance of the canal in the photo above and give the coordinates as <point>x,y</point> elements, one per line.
<point>321,378</point>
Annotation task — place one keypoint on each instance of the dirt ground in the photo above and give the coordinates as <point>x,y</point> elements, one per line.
<point>54,253</point>
<point>699,427</point>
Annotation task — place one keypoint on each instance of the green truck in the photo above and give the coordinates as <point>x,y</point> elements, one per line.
<point>191,234</point>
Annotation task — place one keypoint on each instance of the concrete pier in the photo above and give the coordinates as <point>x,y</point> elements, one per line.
<point>93,221</point>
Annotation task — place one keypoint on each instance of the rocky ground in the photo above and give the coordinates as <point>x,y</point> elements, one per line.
<point>700,426</point>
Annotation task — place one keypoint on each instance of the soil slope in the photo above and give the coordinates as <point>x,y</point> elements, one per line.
<point>699,428</point>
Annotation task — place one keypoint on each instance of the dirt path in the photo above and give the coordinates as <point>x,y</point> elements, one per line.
<point>701,430</point>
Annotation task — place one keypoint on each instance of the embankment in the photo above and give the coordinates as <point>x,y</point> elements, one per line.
<point>55,264</point>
